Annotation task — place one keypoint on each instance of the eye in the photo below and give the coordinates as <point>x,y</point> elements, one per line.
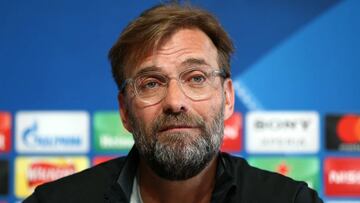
<point>149,84</point>
<point>197,79</point>
<point>194,78</point>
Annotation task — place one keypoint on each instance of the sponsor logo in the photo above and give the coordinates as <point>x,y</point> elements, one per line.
<point>343,132</point>
<point>33,171</point>
<point>109,133</point>
<point>283,168</point>
<point>2,142</point>
<point>342,177</point>
<point>32,137</point>
<point>100,159</point>
<point>5,129</point>
<point>232,133</point>
<point>304,169</point>
<point>39,173</point>
<point>52,131</point>
<point>4,177</point>
<point>282,132</point>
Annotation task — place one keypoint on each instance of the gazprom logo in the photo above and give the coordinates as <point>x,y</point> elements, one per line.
<point>52,131</point>
<point>32,137</point>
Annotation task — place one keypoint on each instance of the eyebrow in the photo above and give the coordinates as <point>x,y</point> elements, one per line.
<point>194,61</point>
<point>148,69</point>
<point>187,62</point>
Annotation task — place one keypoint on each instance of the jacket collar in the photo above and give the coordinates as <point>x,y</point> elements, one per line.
<point>120,190</point>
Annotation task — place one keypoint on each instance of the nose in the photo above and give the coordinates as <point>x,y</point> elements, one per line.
<point>175,100</point>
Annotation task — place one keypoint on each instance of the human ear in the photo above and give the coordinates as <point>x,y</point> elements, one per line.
<point>229,98</point>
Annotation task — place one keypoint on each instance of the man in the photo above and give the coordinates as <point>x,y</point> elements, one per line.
<point>172,67</point>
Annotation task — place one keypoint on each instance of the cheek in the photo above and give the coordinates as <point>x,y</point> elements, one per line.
<point>208,109</point>
<point>146,116</point>
<point>217,100</point>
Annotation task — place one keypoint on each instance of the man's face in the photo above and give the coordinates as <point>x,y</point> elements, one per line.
<point>178,136</point>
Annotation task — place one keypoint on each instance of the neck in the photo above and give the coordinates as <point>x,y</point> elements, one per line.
<point>155,189</point>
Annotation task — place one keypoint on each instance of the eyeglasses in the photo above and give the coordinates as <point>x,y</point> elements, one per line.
<point>195,83</point>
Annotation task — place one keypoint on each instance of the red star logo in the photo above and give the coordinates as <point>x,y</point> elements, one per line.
<point>283,168</point>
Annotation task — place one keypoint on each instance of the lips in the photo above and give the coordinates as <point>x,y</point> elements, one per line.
<point>176,127</point>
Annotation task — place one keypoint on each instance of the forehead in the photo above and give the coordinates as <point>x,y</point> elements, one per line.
<point>184,47</point>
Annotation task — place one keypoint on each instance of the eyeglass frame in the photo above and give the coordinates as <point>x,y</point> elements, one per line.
<point>131,81</point>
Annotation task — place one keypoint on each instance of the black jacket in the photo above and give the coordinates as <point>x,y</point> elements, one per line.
<point>236,181</point>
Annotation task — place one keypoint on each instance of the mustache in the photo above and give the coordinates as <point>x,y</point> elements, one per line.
<point>165,121</point>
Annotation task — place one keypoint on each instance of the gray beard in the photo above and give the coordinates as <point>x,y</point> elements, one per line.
<point>178,155</point>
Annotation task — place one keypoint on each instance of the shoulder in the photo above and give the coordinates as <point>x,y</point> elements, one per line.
<point>250,177</point>
<point>88,184</point>
<point>260,185</point>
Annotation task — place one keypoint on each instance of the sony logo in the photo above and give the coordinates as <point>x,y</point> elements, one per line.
<point>282,124</point>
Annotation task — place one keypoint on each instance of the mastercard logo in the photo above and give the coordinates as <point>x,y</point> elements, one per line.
<point>348,129</point>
